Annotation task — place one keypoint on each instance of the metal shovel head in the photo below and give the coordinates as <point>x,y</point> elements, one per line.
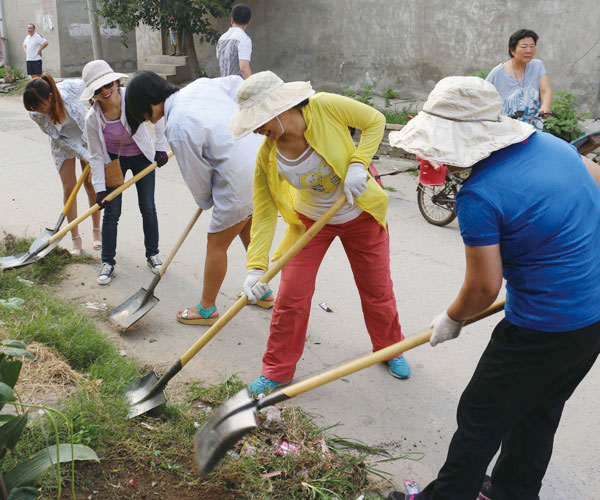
<point>137,393</point>
<point>41,240</point>
<point>234,418</point>
<point>133,309</point>
<point>13,261</point>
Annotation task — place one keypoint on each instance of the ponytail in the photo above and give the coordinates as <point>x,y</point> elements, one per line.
<point>38,90</point>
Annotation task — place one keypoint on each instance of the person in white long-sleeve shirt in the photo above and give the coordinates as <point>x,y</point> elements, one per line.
<point>217,170</point>
<point>59,114</point>
<point>109,138</point>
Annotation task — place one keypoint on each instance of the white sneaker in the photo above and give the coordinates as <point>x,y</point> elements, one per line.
<point>154,263</point>
<point>106,274</point>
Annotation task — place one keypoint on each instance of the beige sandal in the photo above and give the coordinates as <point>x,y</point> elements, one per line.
<point>97,244</point>
<point>76,251</point>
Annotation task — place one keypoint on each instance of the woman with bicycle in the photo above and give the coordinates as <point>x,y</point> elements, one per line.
<point>522,81</point>
<point>307,161</point>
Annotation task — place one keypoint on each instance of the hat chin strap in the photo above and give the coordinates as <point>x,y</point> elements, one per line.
<point>280,124</point>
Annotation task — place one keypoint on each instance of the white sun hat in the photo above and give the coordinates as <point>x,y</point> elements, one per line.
<point>96,74</point>
<point>460,124</point>
<point>261,98</point>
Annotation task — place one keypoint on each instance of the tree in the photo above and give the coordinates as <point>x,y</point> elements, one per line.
<point>189,17</point>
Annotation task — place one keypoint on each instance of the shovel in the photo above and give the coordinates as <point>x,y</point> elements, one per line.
<point>147,392</point>
<point>136,306</point>
<point>48,233</point>
<point>30,257</point>
<point>39,243</point>
<point>238,415</point>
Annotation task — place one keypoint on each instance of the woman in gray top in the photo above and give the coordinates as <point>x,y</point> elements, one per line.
<point>522,81</point>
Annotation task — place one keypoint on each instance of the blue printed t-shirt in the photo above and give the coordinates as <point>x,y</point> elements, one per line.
<point>523,95</point>
<point>539,202</point>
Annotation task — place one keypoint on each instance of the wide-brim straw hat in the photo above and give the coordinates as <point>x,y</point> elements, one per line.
<point>261,98</point>
<point>96,74</point>
<point>460,124</point>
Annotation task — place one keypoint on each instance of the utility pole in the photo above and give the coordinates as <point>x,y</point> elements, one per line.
<point>95,29</point>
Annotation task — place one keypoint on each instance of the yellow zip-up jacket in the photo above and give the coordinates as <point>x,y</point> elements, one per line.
<point>327,118</point>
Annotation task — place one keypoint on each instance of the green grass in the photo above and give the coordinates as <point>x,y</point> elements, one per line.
<point>395,116</point>
<point>162,441</point>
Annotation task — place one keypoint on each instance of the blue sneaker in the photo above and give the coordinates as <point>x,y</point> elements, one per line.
<point>263,385</point>
<point>399,367</point>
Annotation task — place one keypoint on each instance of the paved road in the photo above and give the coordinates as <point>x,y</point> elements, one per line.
<point>427,266</point>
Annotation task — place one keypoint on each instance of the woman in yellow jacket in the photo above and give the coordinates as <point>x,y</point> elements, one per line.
<point>307,161</point>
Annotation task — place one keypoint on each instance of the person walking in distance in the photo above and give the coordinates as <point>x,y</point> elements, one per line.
<point>234,48</point>
<point>33,45</point>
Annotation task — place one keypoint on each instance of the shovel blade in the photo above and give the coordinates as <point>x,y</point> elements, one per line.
<point>14,261</point>
<point>137,392</point>
<point>133,309</point>
<point>41,240</point>
<point>230,422</point>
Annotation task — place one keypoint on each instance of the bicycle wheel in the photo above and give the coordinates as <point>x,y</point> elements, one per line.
<point>437,204</point>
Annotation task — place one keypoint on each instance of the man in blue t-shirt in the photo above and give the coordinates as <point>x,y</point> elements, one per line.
<point>529,212</point>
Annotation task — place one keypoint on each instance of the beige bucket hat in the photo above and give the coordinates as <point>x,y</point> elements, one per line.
<point>261,98</point>
<point>460,124</point>
<point>96,74</point>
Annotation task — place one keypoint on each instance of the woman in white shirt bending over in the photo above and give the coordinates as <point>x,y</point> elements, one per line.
<point>217,170</point>
<point>110,138</point>
<point>60,115</point>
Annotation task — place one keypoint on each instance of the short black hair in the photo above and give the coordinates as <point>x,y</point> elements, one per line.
<point>32,25</point>
<point>241,14</point>
<point>143,90</point>
<point>517,36</point>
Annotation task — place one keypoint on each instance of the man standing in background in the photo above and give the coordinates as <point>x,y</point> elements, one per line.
<point>234,48</point>
<point>33,45</point>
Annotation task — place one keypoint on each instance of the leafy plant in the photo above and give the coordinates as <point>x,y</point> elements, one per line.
<point>388,95</point>
<point>18,482</point>
<point>565,121</point>
<point>482,73</point>
<point>347,92</point>
<point>367,96</point>
<point>394,116</point>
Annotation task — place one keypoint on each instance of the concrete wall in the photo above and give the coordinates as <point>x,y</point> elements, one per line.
<point>408,45</point>
<point>66,25</point>
<point>17,15</point>
<point>148,43</point>
<point>76,41</point>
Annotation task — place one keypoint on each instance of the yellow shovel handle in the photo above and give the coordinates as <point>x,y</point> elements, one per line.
<point>377,356</point>
<point>75,190</point>
<point>110,196</point>
<point>278,266</point>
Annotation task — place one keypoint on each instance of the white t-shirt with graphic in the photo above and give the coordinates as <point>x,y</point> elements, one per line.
<point>34,44</point>
<point>319,186</point>
<point>233,45</point>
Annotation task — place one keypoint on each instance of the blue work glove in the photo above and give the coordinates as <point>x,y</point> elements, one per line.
<point>161,158</point>
<point>100,195</point>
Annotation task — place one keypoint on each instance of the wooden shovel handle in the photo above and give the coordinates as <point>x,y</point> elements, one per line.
<point>75,190</point>
<point>110,196</point>
<point>376,357</point>
<point>186,231</point>
<point>278,266</point>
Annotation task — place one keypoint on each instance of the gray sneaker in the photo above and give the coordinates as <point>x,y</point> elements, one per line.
<point>106,274</point>
<point>154,263</point>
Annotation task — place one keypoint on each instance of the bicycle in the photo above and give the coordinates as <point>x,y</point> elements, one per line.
<point>589,145</point>
<point>437,204</point>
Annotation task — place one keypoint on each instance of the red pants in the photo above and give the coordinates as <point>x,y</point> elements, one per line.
<point>367,246</point>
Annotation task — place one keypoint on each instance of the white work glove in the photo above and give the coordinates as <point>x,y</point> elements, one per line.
<point>253,290</point>
<point>444,328</point>
<point>86,157</point>
<point>355,182</point>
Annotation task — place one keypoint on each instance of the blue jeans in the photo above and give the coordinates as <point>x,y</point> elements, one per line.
<point>112,210</point>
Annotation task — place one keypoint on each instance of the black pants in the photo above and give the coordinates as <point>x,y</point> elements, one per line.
<point>515,399</point>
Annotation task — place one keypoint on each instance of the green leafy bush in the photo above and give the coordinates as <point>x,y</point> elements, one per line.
<point>565,121</point>
<point>389,94</point>
<point>482,73</point>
